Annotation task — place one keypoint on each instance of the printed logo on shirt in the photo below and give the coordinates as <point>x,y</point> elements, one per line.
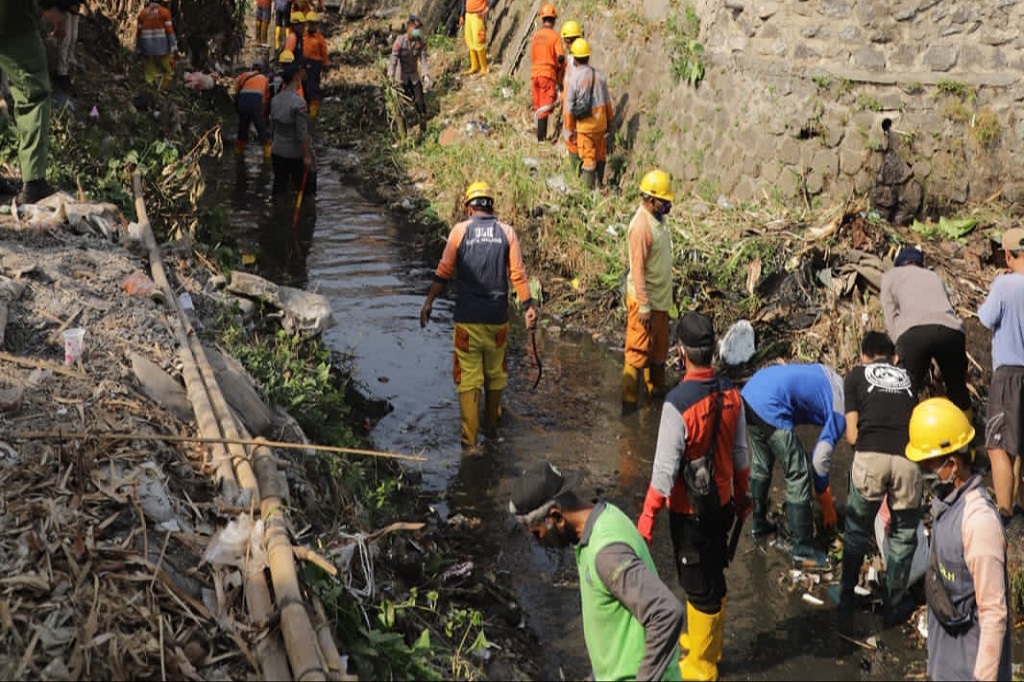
<point>483,235</point>
<point>887,378</point>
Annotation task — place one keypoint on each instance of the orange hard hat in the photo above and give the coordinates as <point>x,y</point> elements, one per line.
<point>548,11</point>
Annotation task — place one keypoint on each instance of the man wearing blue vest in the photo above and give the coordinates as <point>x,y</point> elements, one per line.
<point>631,619</point>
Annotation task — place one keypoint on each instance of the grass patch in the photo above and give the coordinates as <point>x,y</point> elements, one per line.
<point>986,128</point>
<point>687,52</point>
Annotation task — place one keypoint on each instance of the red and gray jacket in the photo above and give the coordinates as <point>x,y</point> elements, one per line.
<point>687,419</point>
<point>481,255</point>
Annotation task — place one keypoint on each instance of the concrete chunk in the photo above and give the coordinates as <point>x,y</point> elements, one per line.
<point>160,387</point>
<point>303,311</point>
<point>240,391</point>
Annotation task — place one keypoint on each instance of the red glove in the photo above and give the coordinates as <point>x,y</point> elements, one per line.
<point>652,504</point>
<point>828,508</point>
<point>646,526</point>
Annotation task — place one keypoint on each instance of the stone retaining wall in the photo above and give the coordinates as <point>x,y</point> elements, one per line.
<point>791,104</point>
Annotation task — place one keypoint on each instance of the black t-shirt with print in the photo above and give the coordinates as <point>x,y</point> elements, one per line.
<point>881,395</point>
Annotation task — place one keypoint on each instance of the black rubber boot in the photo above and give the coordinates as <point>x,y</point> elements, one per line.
<point>34,191</point>
<point>759,523</point>
<point>600,173</point>
<point>589,179</point>
<point>542,129</point>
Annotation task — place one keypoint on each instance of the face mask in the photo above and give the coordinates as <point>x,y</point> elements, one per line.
<point>415,33</point>
<point>940,488</point>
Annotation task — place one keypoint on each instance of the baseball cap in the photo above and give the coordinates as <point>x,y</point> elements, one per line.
<point>535,491</point>
<point>1013,239</point>
<point>909,254</point>
<point>695,330</point>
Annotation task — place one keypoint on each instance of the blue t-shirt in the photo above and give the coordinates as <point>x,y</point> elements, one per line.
<point>1003,313</point>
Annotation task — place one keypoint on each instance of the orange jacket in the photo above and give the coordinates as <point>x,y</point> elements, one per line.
<point>155,33</point>
<point>547,56</point>
<point>254,82</point>
<point>476,6</point>
<point>314,47</point>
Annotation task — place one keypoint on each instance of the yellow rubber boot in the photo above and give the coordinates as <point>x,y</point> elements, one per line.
<point>654,377</point>
<point>481,57</point>
<point>718,634</point>
<point>492,410</point>
<point>314,108</point>
<point>630,387</point>
<point>700,663</point>
<point>474,63</point>
<point>267,150</point>
<point>469,407</point>
<point>277,37</point>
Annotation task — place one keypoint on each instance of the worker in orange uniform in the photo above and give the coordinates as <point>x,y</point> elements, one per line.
<point>474,21</point>
<point>648,291</point>
<point>481,255</point>
<point>155,43</point>
<point>571,31</point>
<point>588,114</point>
<point>252,100</point>
<point>295,41</point>
<point>547,63</point>
<point>263,12</point>
<point>314,51</point>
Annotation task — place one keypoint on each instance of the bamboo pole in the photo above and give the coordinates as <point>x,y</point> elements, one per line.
<point>197,390</point>
<point>300,640</point>
<point>123,435</point>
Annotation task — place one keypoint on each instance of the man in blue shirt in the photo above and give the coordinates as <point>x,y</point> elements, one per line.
<point>777,399</point>
<point>1003,313</point>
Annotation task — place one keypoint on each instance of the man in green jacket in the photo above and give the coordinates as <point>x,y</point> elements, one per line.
<point>23,59</point>
<point>631,619</point>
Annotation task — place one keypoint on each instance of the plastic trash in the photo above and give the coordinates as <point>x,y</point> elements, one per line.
<point>739,344</point>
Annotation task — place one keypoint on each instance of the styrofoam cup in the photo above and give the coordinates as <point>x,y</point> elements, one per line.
<point>74,343</point>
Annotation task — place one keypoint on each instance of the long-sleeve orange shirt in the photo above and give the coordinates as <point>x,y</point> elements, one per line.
<point>481,255</point>
<point>253,83</point>
<point>547,56</point>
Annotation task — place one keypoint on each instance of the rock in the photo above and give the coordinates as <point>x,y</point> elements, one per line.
<point>160,387</point>
<point>304,312</point>
<point>240,391</point>
<point>10,398</point>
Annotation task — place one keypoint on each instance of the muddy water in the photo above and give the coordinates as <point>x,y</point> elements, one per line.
<point>373,271</point>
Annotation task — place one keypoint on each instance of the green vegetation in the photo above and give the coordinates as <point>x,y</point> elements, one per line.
<point>867,102</point>
<point>986,128</point>
<point>822,81</point>
<point>955,88</point>
<point>687,52</point>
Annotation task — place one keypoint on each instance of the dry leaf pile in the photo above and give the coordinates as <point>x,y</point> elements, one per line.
<point>101,540</point>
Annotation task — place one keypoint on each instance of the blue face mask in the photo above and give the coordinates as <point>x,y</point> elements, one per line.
<point>415,33</point>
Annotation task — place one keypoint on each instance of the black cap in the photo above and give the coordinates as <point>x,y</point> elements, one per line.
<point>909,254</point>
<point>415,20</point>
<point>695,330</point>
<point>535,489</point>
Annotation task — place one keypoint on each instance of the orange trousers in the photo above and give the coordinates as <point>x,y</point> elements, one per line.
<point>645,347</point>
<point>543,90</point>
<point>592,149</point>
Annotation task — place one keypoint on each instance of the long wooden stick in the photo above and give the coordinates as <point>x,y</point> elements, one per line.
<point>121,435</point>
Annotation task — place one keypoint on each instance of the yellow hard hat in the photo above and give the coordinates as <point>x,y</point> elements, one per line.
<point>580,48</point>
<point>479,190</point>
<point>312,16</point>
<point>656,183</point>
<point>937,428</point>
<point>571,29</point>
<point>297,18</point>
<point>286,57</point>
